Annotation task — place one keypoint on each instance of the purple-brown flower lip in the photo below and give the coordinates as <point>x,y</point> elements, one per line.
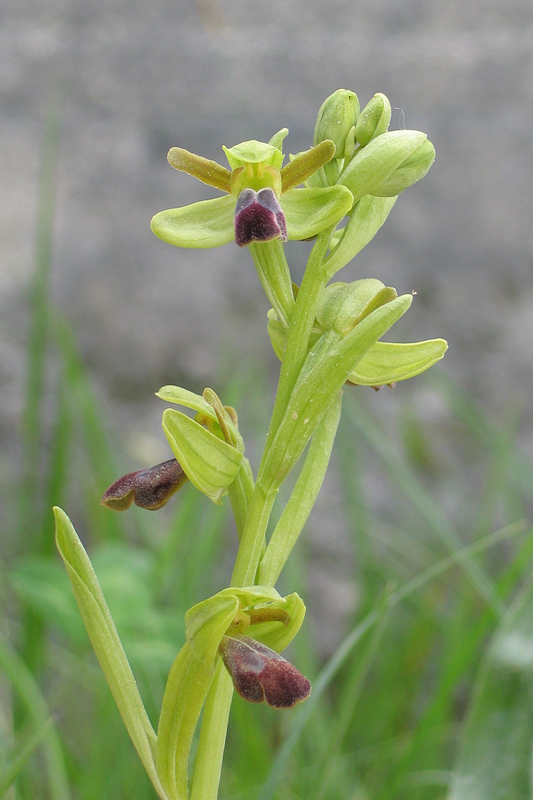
<point>148,488</point>
<point>259,217</point>
<point>260,674</point>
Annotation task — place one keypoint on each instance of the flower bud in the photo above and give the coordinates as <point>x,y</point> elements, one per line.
<point>260,674</point>
<point>148,488</point>
<point>373,120</point>
<point>343,305</point>
<point>410,171</point>
<point>336,117</point>
<point>371,169</point>
<point>258,217</point>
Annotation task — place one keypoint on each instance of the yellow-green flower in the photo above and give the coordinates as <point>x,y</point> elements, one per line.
<point>261,201</point>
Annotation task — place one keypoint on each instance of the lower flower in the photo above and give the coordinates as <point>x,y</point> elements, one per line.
<point>260,674</point>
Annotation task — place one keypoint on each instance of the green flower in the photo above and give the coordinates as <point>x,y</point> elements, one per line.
<point>261,201</point>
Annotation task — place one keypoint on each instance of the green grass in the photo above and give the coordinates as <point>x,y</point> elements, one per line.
<point>431,680</point>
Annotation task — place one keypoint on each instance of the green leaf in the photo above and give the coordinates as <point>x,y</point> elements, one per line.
<point>210,463</point>
<point>494,762</point>
<point>302,499</point>
<point>325,370</point>
<point>106,643</point>
<point>185,692</point>
<point>366,219</point>
<point>208,223</point>
<point>309,211</point>
<point>388,362</point>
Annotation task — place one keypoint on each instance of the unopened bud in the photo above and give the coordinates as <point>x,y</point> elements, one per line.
<point>148,488</point>
<point>259,217</point>
<point>372,169</point>
<point>336,117</point>
<point>260,674</point>
<point>373,120</point>
<point>410,171</point>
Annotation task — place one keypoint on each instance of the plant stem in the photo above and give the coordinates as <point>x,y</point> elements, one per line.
<point>260,503</point>
<point>212,740</point>
<point>299,331</point>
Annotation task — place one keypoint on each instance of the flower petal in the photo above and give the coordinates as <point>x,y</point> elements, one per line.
<point>309,211</point>
<point>388,362</point>
<point>208,223</point>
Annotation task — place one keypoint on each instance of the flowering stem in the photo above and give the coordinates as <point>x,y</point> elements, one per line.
<point>259,506</point>
<point>275,277</point>
<point>299,330</point>
<point>253,536</point>
<point>210,753</point>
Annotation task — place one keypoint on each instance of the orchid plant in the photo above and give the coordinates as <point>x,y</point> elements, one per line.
<point>326,335</point>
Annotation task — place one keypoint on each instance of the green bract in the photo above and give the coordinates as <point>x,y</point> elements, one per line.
<point>255,165</point>
<point>341,308</point>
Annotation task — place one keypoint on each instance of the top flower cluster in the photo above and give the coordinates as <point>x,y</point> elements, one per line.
<point>353,155</point>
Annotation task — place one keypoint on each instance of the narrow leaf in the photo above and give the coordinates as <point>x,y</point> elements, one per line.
<point>368,216</point>
<point>303,497</point>
<point>494,762</point>
<point>106,643</point>
<point>324,372</point>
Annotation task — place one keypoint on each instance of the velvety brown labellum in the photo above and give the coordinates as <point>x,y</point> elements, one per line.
<point>259,217</point>
<point>148,488</point>
<point>260,674</point>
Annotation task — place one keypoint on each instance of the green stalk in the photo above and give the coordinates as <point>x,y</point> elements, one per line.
<point>299,331</point>
<point>259,506</point>
<point>253,536</point>
<point>208,766</point>
<point>273,270</point>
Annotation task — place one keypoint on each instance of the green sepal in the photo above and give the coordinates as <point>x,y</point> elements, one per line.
<point>208,621</point>
<point>206,414</point>
<point>325,370</point>
<point>366,219</point>
<point>388,362</point>
<point>210,463</point>
<point>309,211</point>
<point>187,399</point>
<point>254,152</point>
<point>106,643</point>
<point>208,223</point>
<point>371,166</point>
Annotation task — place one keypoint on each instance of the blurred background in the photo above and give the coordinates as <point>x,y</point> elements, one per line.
<point>96,313</point>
